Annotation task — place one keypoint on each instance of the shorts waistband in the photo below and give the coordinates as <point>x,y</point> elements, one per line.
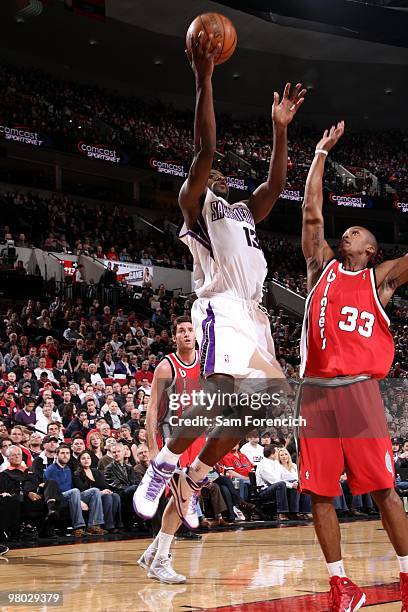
<point>243,301</point>
<point>338,381</point>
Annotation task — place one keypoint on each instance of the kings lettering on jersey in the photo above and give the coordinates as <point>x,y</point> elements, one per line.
<point>345,328</point>
<point>228,260</point>
<point>240,213</point>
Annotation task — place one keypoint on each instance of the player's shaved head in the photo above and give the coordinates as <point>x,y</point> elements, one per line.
<point>371,240</point>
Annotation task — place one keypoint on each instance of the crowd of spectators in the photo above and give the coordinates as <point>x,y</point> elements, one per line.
<point>55,224</point>
<point>69,112</point>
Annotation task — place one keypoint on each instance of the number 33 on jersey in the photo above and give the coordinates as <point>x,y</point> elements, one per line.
<point>345,328</point>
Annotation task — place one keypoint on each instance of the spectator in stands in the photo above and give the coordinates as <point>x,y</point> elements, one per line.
<point>266,439</point>
<point>61,473</point>
<point>108,457</point>
<point>95,445</point>
<point>80,424</point>
<point>271,477</point>
<point>17,479</point>
<point>144,373</point>
<point>237,466</point>
<point>125,437</point>
<point>122,479</point>
<point>114,416</point>
<point>34,444</point>
<point>134,421</point>
<point>77,447</point>
<point>16,436</point>
<point>87,477</point>
<point>5,444</point>
<point>46,457</point>
<point>45,416</point>
<point>252,449</point>
<point>27,415</point>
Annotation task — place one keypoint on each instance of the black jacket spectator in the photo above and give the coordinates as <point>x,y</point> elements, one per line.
<point>83,483</point>
<point>118,477</point>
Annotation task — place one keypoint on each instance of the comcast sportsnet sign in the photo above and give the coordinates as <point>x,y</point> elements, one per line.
<point>351,200</point>
<point>168,167</point>
<point>23,134</point>
<point>103,152</point>
<point>401,207</point>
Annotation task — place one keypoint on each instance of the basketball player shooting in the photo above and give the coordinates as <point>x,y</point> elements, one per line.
<point>177,373</point>
<point>346,346</point>
<point>229,271</point>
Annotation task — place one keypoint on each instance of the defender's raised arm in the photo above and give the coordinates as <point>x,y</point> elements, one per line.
<point>314,246</point>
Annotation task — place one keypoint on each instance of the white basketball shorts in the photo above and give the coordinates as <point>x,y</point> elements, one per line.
<point>234,337</point>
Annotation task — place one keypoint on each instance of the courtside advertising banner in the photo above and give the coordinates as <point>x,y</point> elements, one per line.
<point>130,273</point>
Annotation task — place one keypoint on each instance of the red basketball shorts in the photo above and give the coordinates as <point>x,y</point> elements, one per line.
<point>344,428</point>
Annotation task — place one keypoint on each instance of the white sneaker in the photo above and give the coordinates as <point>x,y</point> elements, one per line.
<point>162,569</point>
<point>146,559</point>
<point>240,516</point>
<point>185,492</point>
<point>147,495</point>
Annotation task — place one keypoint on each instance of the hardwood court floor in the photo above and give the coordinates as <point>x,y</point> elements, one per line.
<point>237,571</point>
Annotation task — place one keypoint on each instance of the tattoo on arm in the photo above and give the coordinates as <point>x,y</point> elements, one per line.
<point>317,237</point>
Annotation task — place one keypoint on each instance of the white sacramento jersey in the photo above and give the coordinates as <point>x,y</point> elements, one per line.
<point>228,259</point>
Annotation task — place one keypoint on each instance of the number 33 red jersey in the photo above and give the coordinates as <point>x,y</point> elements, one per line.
<point>345,328</point>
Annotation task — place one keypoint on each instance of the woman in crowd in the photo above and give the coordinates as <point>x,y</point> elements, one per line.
<point>299,502</point>
<point>87,477</point>
<point>141,436</point>
<point>95,445</point>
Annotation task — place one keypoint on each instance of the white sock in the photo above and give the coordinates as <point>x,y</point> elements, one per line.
<point>336,568</point>
<point>151,549</point>
<point>198,470</point>
<point>166,456</point>
<point>165,540</point>
<point>403,563</point>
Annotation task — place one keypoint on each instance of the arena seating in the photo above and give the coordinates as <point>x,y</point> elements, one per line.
<point>69,111</point>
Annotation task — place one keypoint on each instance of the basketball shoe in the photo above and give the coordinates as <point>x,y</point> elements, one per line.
<point>345,596</point>
<point>404,591</point>
<point>146,559</point>
<point>162,569</point>
<point>147,495</point>
<point>185,492</point>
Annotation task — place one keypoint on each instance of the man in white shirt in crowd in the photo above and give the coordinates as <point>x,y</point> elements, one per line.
<point>252,449</point>
<point>41,368</point>
<point>4,446</point>
<point>272,479</point>
<point>46,415</point>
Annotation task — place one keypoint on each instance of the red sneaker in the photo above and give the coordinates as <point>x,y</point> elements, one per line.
<point>345,596</point>
<point>404,591</point>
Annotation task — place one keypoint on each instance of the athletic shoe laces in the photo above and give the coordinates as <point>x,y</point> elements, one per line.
<point>157,482</point>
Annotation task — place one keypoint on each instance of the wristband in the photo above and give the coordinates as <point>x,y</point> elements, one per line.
<point>321,151</point>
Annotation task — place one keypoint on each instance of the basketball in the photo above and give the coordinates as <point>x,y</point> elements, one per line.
<point>222,30</point>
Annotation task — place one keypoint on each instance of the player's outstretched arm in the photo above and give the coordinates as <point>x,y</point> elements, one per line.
<point>265,196</point>
<point>390,275</point>
<point>161,380</point>
<point>315,248</point>
<point>202,63</point>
